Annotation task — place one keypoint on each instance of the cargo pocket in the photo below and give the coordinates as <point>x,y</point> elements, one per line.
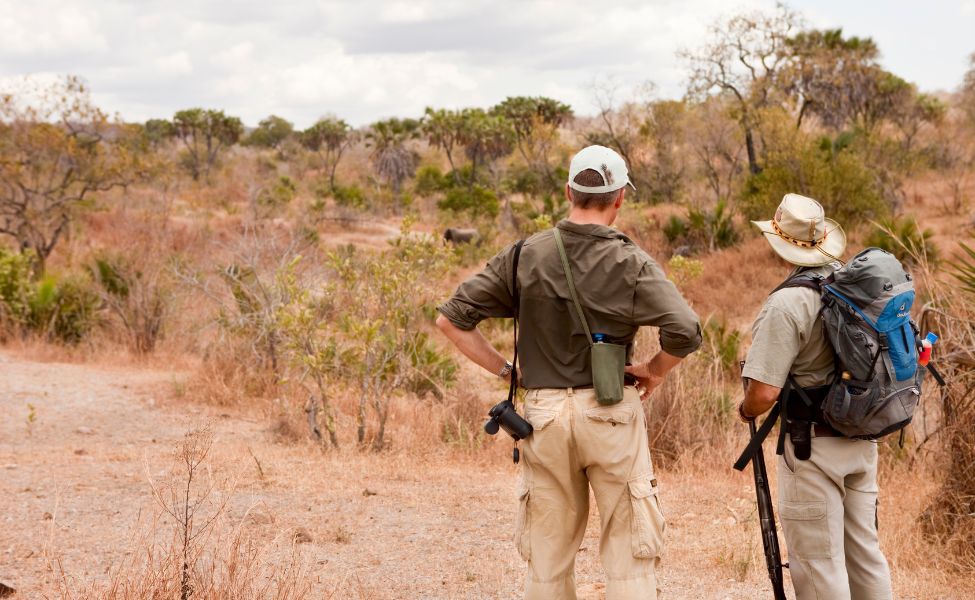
<point>617,414</point>
<point>809,535</point>
<point>647,523</point>
<point>523,521</point>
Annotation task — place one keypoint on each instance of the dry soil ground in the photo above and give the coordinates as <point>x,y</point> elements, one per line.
<point>75,490</point>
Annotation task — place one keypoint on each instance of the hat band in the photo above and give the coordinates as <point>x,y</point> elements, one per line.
<point>797,241</point>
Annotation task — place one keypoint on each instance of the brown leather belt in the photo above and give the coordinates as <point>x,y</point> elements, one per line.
<point>823,430</point>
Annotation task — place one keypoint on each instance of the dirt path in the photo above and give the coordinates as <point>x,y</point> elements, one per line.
<point>74,487</point>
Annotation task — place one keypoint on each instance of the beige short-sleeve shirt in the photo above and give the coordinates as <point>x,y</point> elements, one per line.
<point>787,337</point>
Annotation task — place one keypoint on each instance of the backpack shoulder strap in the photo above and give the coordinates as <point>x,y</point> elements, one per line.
<point>804,280</point>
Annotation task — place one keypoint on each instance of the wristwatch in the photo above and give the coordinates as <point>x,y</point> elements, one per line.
<point>506,369</point>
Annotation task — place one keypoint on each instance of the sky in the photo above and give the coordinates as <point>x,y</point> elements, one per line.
<point>364,60</point>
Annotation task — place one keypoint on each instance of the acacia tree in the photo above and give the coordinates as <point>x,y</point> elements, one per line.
<point>329,138</point>
<point>486,138</point>
<point>393,160</point>
<point>664,127</point>
<point>443,129</point>
<point>204,134</point>
<point>716,144</point>
<point>535,122</point>
<point>827,73</point>
<point>56,151</point>
<point>743,60</point>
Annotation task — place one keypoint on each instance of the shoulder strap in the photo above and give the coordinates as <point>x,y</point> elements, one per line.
<point>804,280</point>
<point>572,286</point>
<point>516,308</point>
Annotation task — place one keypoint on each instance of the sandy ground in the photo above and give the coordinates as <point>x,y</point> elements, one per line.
<point>75,492</point>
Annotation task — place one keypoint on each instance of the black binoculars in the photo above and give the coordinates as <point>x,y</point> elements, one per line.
<point>504,416</point>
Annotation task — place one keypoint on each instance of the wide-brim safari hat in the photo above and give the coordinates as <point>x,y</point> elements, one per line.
<point>801,234</point>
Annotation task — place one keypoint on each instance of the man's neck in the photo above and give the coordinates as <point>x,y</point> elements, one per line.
<point>582,216</point>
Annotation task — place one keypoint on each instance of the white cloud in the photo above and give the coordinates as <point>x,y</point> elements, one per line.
<point>361,59</point>
<point>177,63</point>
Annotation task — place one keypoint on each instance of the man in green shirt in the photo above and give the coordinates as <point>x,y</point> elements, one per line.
<point>578,443</point>
<point>828,500</point>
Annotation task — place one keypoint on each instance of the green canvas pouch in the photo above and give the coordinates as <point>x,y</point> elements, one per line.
<point>607,360</point>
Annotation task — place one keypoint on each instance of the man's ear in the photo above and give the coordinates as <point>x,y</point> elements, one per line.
<point>568,194</point>
<point>619,199</point>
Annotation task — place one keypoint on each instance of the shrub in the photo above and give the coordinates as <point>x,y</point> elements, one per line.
<point>430,180</point>
<point>675,229</point>
<point>278,194</point>
<point>16,289</point>
<point>476,201</point>
<point>904,239</point>
<point>139,296</point>
<point>363,329</point>
<point>432,368</point>
<point>64,309</point>
<point>683,269</point>
<point>349,196</point>
<point>61,309</point>
<point>831,171</point>
<point>704,229</point>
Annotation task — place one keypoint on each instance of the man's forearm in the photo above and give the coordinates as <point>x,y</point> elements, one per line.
<point>759,397</point>
<point>661,364</point>
<point>473,345</point>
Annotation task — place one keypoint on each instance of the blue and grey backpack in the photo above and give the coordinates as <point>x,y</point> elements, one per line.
<point>867,319</point>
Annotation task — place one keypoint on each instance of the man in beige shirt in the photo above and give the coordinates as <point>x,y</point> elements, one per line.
<point>577,442</point>
<point>828,501</point>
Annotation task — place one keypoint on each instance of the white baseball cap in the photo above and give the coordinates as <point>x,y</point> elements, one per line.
<point>604,161</point>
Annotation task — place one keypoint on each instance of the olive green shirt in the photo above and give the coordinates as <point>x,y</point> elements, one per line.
<point>619,286</point>
<point>788,338</point>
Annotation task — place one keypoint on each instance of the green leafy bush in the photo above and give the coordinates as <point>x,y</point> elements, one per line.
<point>279,194</point>
<point>64,309</point>
<point>433,368</point>
<point>832,171</point>
<point>430,180</point>
<point>675,229</point>
<point>476,201</point>
<point>350,196</point>
<point>704,229</point>
<point>16,290</point>
<point>60,308</point>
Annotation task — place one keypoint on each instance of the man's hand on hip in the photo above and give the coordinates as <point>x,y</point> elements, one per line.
<point>651,374</point>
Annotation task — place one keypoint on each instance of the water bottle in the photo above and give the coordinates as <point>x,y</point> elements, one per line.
<point>926,345</point>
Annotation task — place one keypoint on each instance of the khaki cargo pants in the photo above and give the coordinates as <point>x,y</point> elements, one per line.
<point>578,443</point>
<point>828,508</point>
